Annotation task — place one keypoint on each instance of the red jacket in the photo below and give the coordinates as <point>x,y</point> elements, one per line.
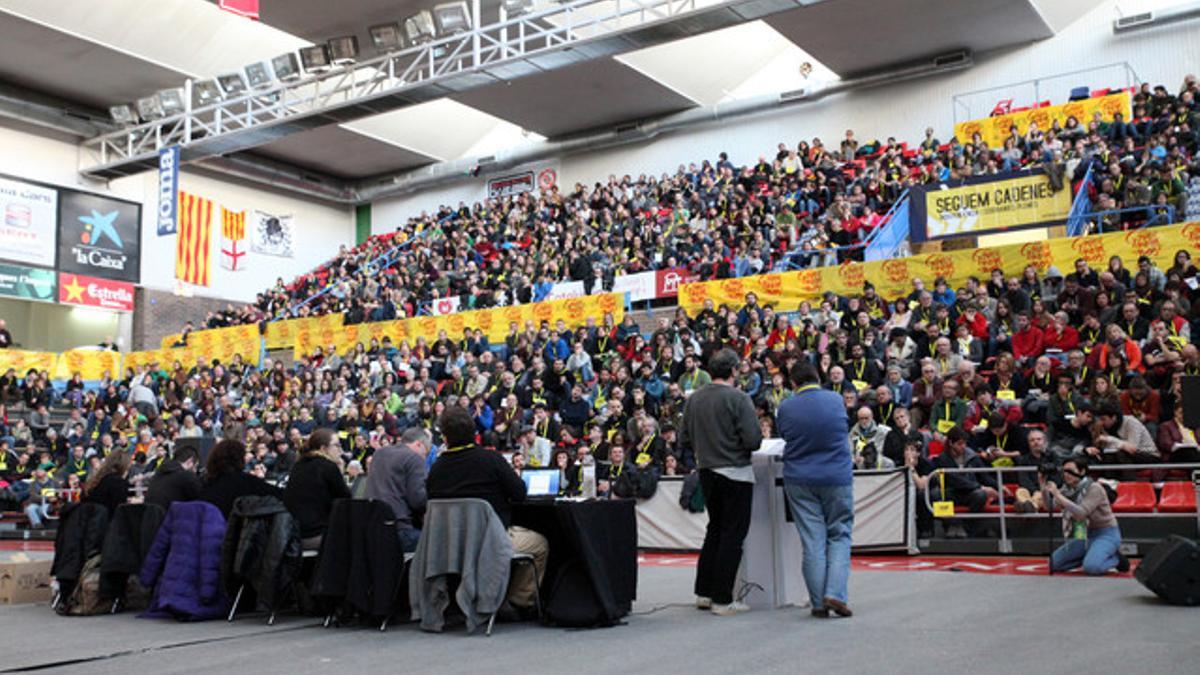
<point>978,327</point>
<point>1067,340</point>
<point>1028,343</point>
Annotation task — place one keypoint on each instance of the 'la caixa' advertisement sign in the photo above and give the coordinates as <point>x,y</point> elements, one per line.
<point>99,236</point>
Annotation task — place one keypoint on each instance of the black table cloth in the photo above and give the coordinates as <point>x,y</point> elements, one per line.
<point>599,534</point>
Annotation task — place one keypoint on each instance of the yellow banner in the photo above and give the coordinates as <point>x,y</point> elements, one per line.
<point>91,364</point>
<point>169,341</point>
<point>893,278</point>
<point>574,312</point>
<point>165,359</point>
<point>21,361</point>
<point>224,343</point>
<point>283,334</point>
<point>994,205</point>
<point>994,130</point>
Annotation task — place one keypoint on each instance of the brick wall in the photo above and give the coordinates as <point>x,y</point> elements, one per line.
<point>161,313</point>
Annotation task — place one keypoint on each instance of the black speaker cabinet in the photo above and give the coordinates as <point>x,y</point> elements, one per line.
<point>1190,385</point>
<point>1172,571</point>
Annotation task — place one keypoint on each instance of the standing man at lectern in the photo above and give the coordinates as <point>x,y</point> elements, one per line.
<point>818,477</point>
<point>721,427</point>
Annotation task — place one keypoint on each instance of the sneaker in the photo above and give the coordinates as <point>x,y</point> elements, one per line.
<point>1122,563</point>
<point>732,608</point>
<point>703,602</point>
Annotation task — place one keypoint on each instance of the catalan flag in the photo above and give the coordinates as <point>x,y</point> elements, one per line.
<point>233,234</point>
<point>193,262</point>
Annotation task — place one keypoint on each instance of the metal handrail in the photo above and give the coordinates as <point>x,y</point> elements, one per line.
<point>1155,215</point>
<point>1005,545</point>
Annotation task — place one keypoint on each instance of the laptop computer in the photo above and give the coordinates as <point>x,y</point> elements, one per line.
<point>541,483</point>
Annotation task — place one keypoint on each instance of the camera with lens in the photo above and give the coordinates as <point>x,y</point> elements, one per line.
<point>1048,469</point>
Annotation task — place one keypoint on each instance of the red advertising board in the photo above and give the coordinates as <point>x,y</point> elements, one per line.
<point>76,289</point>
<point>666,282</point>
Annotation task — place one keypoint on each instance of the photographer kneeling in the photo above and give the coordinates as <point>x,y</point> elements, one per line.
<point>1093,538</point>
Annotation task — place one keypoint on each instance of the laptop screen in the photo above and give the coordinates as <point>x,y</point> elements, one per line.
<point>541,482</point>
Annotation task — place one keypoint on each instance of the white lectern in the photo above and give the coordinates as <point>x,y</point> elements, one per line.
<point>770,576</point>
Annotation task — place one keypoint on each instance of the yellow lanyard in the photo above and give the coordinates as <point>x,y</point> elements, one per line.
<point>457,448</point>
<point>860,369</point>
<point>646,443</point>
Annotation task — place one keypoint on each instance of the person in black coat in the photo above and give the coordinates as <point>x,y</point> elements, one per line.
<point>225,479</point>
<point>313,484</point>
<point>176,480</point>
<point>108,487</point>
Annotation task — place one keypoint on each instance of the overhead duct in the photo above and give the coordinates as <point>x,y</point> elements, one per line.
<point>1154,18</point>
<point>446,173</point>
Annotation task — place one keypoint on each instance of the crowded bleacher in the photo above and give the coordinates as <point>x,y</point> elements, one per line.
<point>1024,365</point>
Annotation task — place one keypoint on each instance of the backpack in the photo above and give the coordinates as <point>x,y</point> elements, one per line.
<point>573,602</point>
<point>691,496</point>
<point>84,599</point>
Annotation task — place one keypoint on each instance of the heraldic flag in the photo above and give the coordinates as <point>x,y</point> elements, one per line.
<point>193,263</point>
<point>233,234</point>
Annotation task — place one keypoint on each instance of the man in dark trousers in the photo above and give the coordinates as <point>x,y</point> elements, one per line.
<point>721,427</point>
<point>176,479</point>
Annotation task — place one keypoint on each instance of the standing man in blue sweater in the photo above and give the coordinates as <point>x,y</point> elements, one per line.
<point>818,477</point>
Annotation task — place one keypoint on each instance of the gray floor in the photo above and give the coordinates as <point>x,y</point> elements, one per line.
<point>929,621</point>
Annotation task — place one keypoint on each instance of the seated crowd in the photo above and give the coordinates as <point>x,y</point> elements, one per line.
<point>805,205</point>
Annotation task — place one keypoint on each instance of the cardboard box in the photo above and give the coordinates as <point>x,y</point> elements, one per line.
<point>24,581</point>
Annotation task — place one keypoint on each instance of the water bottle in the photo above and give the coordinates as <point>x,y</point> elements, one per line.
<point>588,482</point>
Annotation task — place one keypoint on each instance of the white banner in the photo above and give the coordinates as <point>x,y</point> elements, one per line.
<point>567,289</point>
<point>28,222</point>
<point>272,235</point>
<point>443,306</point>
<point>640,286</point>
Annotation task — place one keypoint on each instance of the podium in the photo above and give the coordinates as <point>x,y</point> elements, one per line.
<point>770,576</point>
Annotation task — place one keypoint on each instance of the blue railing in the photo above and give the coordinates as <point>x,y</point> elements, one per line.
<point>1076,218</point>
<point>1151,216</point>
<point>891,233</point>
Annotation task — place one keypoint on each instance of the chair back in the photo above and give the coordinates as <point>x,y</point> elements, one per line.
<point>462,538</point>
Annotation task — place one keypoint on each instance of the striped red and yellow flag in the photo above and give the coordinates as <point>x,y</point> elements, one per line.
<point>193,261</point>
<point>233,224</point>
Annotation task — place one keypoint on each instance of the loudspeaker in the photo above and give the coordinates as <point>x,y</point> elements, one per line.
<point>1172,571</point>
<point>1190,395</point>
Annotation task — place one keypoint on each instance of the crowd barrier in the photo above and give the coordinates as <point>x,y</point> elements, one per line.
<point>893,278</point>
<point>995,129</point>
<point>884,515</point>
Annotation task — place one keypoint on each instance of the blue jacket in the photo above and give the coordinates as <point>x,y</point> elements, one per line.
<point>183,565</point>
<point>814,427</point>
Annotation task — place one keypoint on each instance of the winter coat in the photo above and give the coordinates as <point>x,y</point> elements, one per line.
<point>131,533</point>
<point>80,535</point>
<point>183,567</point>
<point>261,550</point>
<point>361,561</point>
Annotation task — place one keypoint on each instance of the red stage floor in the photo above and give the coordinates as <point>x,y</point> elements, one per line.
<point>877,563</point>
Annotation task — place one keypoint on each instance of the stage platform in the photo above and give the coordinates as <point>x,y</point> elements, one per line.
<point>905,622</point>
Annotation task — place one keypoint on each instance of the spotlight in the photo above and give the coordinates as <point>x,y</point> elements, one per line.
<point>343,50</point>
<point>149,109</point>
<point>315,58</point>
<point>123,115</point>
<point>286,66</point>
<point>418,28</point>
<point>171,101</point>
<point>517,7</point>
<point>258,75</point>
<point>205,92</point>
<point>452,18</point>
<point>232,84</point>
<point>387,37</point>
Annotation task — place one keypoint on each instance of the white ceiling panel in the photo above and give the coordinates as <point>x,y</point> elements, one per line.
<point>192,37</point>
<point>706,67</point>
<point>443,128</point>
